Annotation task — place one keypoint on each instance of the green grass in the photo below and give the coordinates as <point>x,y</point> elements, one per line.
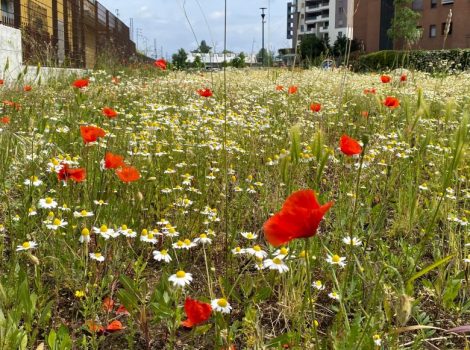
<point>406,198</point>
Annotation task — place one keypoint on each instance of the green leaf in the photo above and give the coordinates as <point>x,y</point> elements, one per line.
<point>427,269</point>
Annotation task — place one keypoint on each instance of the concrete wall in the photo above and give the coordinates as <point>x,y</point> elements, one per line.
<point>10,51</point>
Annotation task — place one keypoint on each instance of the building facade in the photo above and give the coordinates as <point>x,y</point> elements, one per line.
<point>66,32</point>
<point>373,18</point>
<point>327,19</point>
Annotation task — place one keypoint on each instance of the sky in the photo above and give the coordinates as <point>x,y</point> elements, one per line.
<point>165,22</point>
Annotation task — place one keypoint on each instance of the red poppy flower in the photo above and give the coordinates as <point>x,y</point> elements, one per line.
<point>115,80</point>
<point>292,89</point>
<point>205,92</point>
<point>121,310</point>
<point>80,83</point>
<point>391,102</point>
<point>403,77</point>
<point>279,87</point>
<point>196,311</point>
<point>108,304</point>
<point>5,120</point>
<point>109,112</point>
<point>370,91</point>
<point>27,88</point>
<point>91,133</point>
<point>385,79</point>
<point>2,81</point>
<point>94,327</point>
<point>66,173</point>
<point>315,107</point>
<point>349,146</point>
<point>160,64</point>
<point>128,174</point>
<point>113,161</point>
<point>15,105</point>
<point>114,326</point>
<point>299,218</point>
<point>365,114</point>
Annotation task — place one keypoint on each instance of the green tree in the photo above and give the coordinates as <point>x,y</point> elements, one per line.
<point>203,48</point>
<point>312,47</point>
<point>179,59</point>
<point>268,57</point>
<point>198,62</point>
<point>239,61</point>
<point>341,44</point>
<point>404,23</point>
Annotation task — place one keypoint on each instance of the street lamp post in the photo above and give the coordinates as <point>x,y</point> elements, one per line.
<point>262,34</point>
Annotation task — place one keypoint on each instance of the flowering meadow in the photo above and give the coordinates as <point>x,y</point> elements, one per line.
<point>246,209</point>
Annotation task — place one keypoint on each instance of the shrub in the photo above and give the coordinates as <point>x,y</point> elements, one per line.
<point>433,61</point>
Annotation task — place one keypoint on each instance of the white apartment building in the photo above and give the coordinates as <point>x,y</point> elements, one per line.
<point>324,18</point>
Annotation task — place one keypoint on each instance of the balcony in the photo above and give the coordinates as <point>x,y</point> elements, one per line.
<point>447,2</point>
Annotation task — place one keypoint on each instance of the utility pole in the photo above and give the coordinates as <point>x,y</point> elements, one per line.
<point>262,34</point>
<point>131,28</point>
<point>138,33</point>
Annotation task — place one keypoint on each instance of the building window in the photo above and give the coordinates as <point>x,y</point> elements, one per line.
<point>341,10</point>
<point>433,3</point>
<point>443,28</point>
<point>432,31</point>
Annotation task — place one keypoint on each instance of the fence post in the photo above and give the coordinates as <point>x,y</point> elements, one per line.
<point>17,13</point>
<point>55,29</point>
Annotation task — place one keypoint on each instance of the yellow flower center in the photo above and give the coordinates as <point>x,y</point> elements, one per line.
<point>222,302</point>
<point>48,200</point>
<point>250,235</point>
<point>257,248</point>
<point>179,243</point>
<point>30,210</point>
<point>64,206</point>
<point>150,236</point>
<point>83,212</point>
<point>124,227</point>
<point>104,228</point>
<point>50,215</point>
<point>302,254</point>
<point>172,230</point>
<point>238,249</point>
<point>187,241</point>
<point>26,245</point>
<point>55,161</point>
<point>277,261</point>
<point>101,201</point>
<point>180,274</point>
<point>34,178</point>
<point>56,222</point>
<point>97,255</point>
<point>85,232</point>
<point>163,252</point>
<point>202,235</point>
<point>336,258</point>
<point>283,251</point>
<point>144,232</point>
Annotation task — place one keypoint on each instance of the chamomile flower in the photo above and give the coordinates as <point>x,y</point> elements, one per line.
<point>257,252</point>
<point>32,212</point>
<point>281,252</point>
<point>318,285</point>
<point>336,260</point>
<point>238,250</point>
<point>181,279</point>
<point>377,340</point>
<point>26,246</point>
<point>85,236</point>
<point>56,224</point>
<point>149,238</point>
<point>47,203</point>
<point>82,214</point>
<point>33,181</point>
<point>100,202</point>
<point>467,259</point>
<point>203,239</point>
<point>125,231</point>
<point>221,305</point>
<point>352,241</point>
<point>97,256</point>
<point>249,235</point>
<point>334,295</point>
<point>276,264</point>
<point>162,255</point>
<point>64,207</point>
<point>104,231</point>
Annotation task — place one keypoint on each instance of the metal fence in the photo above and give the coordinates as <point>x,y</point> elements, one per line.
<point>67,32</point>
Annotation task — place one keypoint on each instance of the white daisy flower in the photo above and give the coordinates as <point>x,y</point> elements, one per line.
<point>249,235</point>
<point>33,181</point>
<point>318,285</point>
<point>26,246</point>
<point>104,231</point>
<point>181,279</point>
<point>221,305</point>
<point>162,255</point>
<point>47,203</point>
<point>257,252</point>
<point>125,231</point>
<point>336,260</point>
<point>377,340</point>
<point>203,239</point>
<point>238,250</point>
<point>85,236</point>
<point>282,252</point>
<point>32,212</point>
<point>334,295</point>
<point>82,214</point>
<point>276,264</point>
<point>97,256</point>
<point>352,241</point>
<point>100,202</point>
<point>56,224</point>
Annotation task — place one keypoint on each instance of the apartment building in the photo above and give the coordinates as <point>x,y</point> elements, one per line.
<point>373,18</point>
<point>323,18</point>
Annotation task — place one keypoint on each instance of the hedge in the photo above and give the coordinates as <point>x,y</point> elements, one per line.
<point>442,61</point>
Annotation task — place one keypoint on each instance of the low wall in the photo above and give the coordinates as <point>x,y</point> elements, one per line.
<point>12,69</point>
